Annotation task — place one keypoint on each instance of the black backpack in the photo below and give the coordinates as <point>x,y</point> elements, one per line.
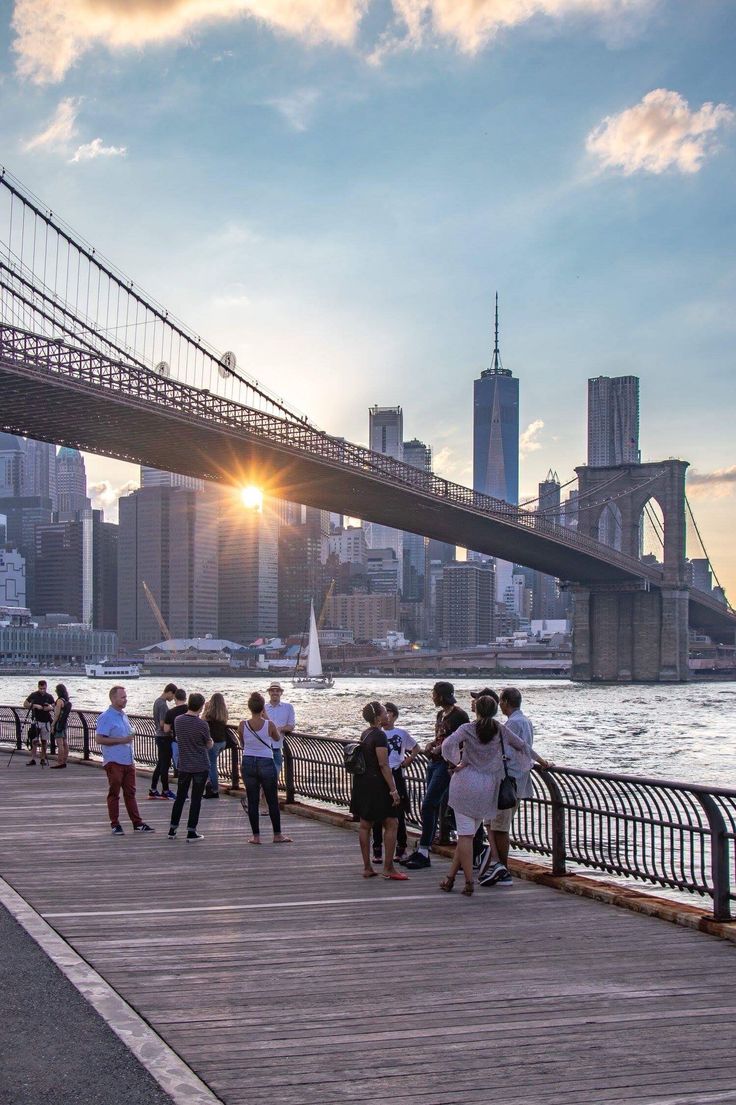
<point>354,758</point>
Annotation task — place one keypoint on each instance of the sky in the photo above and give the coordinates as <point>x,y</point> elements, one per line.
<point>335,189</point>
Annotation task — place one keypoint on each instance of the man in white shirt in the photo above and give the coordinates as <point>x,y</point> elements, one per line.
<point>282,715</point>
<point>518,765</point>
<point>115,737</point>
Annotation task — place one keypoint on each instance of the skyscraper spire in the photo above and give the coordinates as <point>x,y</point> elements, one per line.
<point>496,362</point>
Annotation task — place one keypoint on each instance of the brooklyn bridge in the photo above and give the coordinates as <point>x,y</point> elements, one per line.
<point>88,360</point>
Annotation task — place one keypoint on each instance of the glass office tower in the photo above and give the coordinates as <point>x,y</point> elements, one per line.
<point>496,430</point>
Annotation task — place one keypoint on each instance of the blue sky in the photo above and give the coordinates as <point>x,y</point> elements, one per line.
<point>337,198</point>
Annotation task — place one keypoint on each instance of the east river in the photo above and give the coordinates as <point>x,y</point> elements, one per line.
<point>685,732</point>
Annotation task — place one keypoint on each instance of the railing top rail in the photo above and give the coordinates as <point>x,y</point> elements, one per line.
<point>560,769</point>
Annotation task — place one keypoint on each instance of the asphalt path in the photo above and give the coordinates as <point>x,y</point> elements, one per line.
<point>54,1047</point>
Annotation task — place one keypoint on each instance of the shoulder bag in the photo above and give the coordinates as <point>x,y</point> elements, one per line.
<point>507,797</point>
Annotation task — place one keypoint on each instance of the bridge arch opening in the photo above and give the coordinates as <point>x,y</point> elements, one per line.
<point>651,527</point>
<point>610,526</point>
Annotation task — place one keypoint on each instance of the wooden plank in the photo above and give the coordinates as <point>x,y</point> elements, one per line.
<point>278,973</point>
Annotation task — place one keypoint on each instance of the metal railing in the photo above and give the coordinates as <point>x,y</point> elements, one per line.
<point>675,835</point>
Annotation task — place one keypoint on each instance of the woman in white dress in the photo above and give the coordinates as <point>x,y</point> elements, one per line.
<point>475,750</point>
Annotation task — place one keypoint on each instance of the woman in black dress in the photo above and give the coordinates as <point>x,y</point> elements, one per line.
<point>375,797</point>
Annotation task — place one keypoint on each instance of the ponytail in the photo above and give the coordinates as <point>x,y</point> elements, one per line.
<point>486,727</point>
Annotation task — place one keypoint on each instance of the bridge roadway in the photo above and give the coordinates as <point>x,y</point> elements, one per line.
<point>70,396</point>
<point>280,975</point>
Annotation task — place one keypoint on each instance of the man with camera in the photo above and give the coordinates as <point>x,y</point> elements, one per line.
<point>41,704</point>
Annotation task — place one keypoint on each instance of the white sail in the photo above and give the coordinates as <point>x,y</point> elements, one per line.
<point>314,659</point>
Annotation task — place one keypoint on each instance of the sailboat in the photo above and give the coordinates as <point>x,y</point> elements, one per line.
<point>314,679</point>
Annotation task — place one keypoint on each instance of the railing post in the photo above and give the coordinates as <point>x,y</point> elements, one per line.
<point>289,772</point>
<point>718,857</point>
<point>85,736</point>
<point>559,843</point>
<point>234,767</point>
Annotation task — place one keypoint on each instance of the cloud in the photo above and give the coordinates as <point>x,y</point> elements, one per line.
<point>51,35</point>
<point>711,485</point>
<point>659,133</point>
<point>105,496</point>
<point>472,24</point>
<point>61,128</point>
<point>234,295</point>
<point>297,108</point>
<point>528,439</point>
<point>90,150</point>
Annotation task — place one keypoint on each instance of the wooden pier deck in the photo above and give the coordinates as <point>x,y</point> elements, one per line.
<point>284,978</point>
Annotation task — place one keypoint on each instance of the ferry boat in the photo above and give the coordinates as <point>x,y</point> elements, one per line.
<point>113,669</point>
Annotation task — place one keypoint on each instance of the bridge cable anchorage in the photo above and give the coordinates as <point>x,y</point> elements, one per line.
<point>705,552</point>
<point>83,286</point>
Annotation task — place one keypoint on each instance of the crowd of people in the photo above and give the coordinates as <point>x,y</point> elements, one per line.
<point>190,734</point>
<point>477,771</point>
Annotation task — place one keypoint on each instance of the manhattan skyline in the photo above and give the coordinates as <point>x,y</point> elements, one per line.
<point>340,200</point>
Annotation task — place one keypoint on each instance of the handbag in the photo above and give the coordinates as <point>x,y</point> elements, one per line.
<point>354,758</point>
<point>507,797</point>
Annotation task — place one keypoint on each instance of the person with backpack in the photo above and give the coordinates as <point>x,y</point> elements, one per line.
<point>375,797</point>
<point>259,737</point>
<point>62,709</point>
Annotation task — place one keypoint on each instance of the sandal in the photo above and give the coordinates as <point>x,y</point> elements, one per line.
<point>448,884</point>
<point>468,888</point>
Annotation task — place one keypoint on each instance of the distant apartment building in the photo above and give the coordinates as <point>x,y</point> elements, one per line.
<point>369,617</point>
<point>382,569</point>
<point>386,435</point>
<point>168,537</point>
<point>104,572</point>
<point>347,543</point>
<point>613,421</point>
<point>301,573</point>
<point>156,477</point>
<point>465,605</point>
<point>64,568</point>
<point>415,547</point>
<point>12,578</point>
<point>71,482</point>
<point>700,574</point>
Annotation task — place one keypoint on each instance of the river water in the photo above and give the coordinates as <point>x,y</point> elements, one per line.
<point>685,732</point>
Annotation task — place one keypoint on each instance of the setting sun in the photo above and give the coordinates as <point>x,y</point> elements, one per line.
<point>252,497</point>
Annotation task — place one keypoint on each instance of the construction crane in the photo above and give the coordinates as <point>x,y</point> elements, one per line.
<point>323,611</point>
<point>155,611</point>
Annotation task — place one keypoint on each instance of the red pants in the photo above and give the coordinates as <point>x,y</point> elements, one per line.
<point>122,776</point>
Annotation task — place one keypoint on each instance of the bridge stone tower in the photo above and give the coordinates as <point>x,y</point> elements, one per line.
<point>627,631</point>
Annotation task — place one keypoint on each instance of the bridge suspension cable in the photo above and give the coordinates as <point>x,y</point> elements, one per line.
<point>55,283</point>
<point>705,552</point>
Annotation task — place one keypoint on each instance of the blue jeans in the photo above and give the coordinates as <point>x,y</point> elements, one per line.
<point>438,782</point>
<point>278,761</point>
<point>259,772</point>
<point>213,753</point>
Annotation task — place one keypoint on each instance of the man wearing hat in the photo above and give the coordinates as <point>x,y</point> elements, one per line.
<point>449,718</point>
<point>282,715</point>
